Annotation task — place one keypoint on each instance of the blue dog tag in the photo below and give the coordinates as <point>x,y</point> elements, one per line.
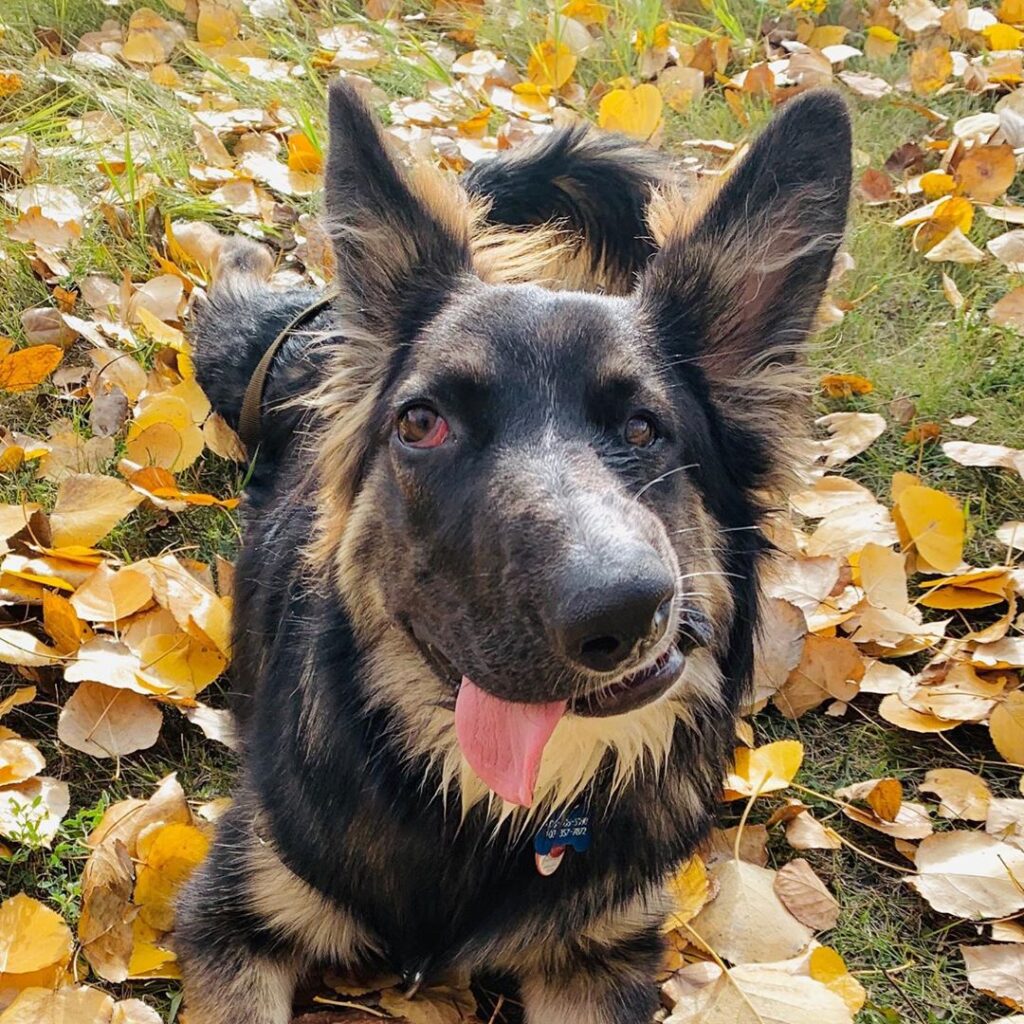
<point>557,835</point>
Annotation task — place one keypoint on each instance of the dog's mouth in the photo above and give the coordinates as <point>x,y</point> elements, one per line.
<point>503,740</point>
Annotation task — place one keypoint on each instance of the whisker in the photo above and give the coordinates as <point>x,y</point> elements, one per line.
<point>664,476</point>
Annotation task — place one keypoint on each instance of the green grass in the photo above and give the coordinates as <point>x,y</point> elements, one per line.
<point>901,333</point>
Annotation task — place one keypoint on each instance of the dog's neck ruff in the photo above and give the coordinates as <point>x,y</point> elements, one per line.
<point>249,428</point>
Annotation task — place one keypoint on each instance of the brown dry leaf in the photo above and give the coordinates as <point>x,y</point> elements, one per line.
<point>997,971</point>
<point>747,922</point>
<point>1009,310</point>
<point>168,856</point>
<point>1008,248</point>
<point>829,667</point>
<point>962,794</point>
<point>721,845</point>
<point>105,924</point>
<point>970,875</point>
<point>108,595</point>
<point>1006,726</point>
<point>954,247</point>
<point>88,507</point>
<point>28,367</point>
<point>681,86</point>
<point>804,895</point>
<point>829,494</point>
<point>439,1004</point>
<point>634,111</point>
<point>71,1005</point>
<point>805,832</point>
<point>752,994</point>
<point>106,722</point>
<point>986,172</point>
<point>897,712</point>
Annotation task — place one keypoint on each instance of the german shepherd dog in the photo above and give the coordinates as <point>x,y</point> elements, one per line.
<point>498,596</point>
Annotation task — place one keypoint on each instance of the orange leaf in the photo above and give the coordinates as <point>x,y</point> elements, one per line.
<point>303,155</point>
<point>986,172</point>
<point>24,369</point>
<point>843,385</point>
<point>922,433</point>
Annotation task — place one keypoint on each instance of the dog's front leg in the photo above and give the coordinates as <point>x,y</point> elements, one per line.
<point>611,984</point>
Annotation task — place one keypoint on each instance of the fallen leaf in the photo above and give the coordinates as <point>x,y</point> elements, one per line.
<point>634,111</point>
<point>1006,726</point>
<point>168,857</point>
<point>970,875</point>
<point>804,895</point>
<point>935,523</point>
<point>108,595</point>
<point>986,172</point>
<point>105,923</point>
<point>32,936</point>
<point>747,922</point>
<point>28,367</point>
<point>851,434</point>
<point>766,769</point>
<point>962,794</point>
<point>88,507</point>
<point>997,971</point>
<point>108,722</point>
<point>72,1005</point>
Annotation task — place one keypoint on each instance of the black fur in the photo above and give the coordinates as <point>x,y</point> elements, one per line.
<point>329,784</point>
<point>597,186</point>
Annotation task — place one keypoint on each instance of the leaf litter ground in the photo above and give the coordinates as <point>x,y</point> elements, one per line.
<point>870,859</point>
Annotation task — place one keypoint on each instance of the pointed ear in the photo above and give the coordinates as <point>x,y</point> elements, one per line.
<point>738,291</point>
<point>401,242</point>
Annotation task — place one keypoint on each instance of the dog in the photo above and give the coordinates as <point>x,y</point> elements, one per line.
<point>497,599</point>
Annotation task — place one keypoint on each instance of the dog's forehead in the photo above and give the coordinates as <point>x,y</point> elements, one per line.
<point>514,330</point>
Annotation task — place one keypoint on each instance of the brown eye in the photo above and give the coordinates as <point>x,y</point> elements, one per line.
<point>640,432</point>
<point>419,426</point>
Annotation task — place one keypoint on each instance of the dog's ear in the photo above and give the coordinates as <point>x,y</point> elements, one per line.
<point>401,242</point>
<point>738,291</point>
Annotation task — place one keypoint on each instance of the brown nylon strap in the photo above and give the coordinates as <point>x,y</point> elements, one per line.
<point>249,418</point>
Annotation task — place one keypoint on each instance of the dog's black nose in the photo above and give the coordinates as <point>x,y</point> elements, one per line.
<point>612,610</point>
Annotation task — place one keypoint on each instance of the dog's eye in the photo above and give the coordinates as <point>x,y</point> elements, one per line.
<point>419,426</point>
<point>640,432</point>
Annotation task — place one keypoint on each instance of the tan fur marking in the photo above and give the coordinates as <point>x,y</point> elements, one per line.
<point>258,992</point>
<point>289,905</point>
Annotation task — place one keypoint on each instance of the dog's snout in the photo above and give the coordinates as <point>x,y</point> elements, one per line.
<point>611,611</point>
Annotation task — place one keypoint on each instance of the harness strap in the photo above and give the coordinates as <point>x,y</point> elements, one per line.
<point>249,418</point>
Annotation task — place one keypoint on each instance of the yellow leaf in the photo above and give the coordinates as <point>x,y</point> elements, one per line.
<point>880,43</point>
<point>1002,37</point>
<point>32,937</point>
<point>930,68</point>
<point>894,711</point>
<point>589,12</point>
<point>828,967</point>
<point>169,855</point>
<point>144,48</point>
<point>151,954</point>
<point>551,65</point>
<point>632,111</point>
<point>28,367</point>
<point>689,891</point>
<point>107,596</point>
<point>217,24</point>
<point>88,507</point>
<point>935,522</point>
<point>937,183</point>
<point>766,769</point>
<point>303,155</point>
<point>1007,727</point>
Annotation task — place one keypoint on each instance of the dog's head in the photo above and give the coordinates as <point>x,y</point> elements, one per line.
<point>544,504</point>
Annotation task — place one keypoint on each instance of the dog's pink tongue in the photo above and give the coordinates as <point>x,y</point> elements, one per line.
<point>503,741</point>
